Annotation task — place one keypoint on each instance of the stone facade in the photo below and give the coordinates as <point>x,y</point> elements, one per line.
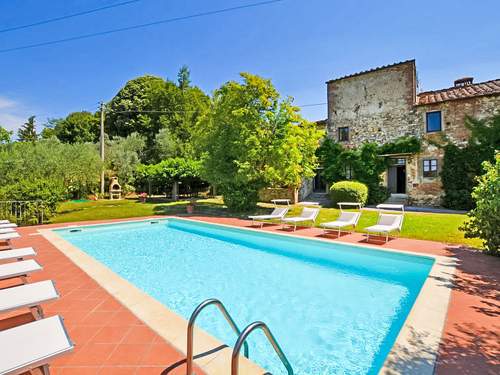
<point>382,105</point>
<point>376,106</point>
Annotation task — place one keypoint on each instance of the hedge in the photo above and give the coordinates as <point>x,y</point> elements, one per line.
<point>349,191</point>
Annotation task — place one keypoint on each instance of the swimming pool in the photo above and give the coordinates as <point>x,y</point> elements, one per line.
<point>334,308</point>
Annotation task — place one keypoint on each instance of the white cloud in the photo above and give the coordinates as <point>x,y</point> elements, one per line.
<point>6,103</point>
<point>12,114</point>
<point>10,121</point>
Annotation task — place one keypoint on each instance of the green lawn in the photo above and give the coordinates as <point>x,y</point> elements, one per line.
<point>425,226</point>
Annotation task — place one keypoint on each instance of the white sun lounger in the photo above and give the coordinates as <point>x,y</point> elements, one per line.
<point>28,296</point>
<point>18,254</point>
<point>387,223</point>
<point>8,225</point>
<point>4,221</point>
<point>278,213</point>
<point>32,345</point>
<point>6,237</point>
<point>18,269</point>
<point>7,230</point>
<point>346,219</point>
<point>307,214</point>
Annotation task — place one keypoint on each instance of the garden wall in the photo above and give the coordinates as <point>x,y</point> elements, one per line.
<point>268,194</point>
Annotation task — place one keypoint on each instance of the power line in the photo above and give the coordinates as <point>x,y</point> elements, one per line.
<point>140,26</point>
<point>56,19</point>
<point>183,111</point>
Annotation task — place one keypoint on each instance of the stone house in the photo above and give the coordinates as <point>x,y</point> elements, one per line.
<point>384,104</point>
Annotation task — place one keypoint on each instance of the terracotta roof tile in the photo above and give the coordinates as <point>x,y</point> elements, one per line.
<point>462,92</point>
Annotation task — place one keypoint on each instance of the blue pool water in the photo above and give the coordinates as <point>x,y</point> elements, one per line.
<point>334,308</point>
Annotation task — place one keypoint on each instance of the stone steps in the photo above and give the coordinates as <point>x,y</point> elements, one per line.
<point>397,199</point>
<point>321,198</point>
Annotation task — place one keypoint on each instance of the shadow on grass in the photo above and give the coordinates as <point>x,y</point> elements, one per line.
<point>205,209</point>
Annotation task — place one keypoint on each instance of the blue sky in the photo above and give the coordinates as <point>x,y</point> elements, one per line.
<point>299,44</point>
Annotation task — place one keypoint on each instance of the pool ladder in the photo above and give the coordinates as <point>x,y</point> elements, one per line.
<point>240,342</point>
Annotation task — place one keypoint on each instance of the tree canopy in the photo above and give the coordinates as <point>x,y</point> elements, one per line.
<point>77,127</point>
<point>250,138</point>
<point>27,132</point>
<point>149,105</point>
<point>5,135</point>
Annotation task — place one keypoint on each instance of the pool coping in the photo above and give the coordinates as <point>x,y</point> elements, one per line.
<point>414,351</point>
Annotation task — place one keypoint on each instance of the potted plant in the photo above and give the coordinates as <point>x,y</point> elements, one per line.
<point>143,197</point>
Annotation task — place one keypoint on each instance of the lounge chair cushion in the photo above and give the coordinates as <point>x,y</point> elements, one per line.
<point>33,344</point>
<point>9,236</point>
<point>7,230</point>
<point>27,295</point>
<point>8,225</point>
<point>381,228</point>
<point>22,252</point>
<point>345,218</point>
<point>307,214</point>
<point>16,269</point>
<point>277,213</point>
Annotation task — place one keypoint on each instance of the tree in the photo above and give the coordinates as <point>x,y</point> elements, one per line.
<point>251,139</point>
<point>123,155</point>
<point>183,79</point>
<point>5,135</point>
<point>27,133</point>
<point>485,217</point>
<point>77,127</point>
<point>48,170</point>
<point>132,109</point>
<point>148,104</point>
<point>166,145</point>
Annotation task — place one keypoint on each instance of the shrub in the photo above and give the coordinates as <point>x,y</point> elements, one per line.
<point>240,198</point>
<point>349,191</point>
<point>485,218</point>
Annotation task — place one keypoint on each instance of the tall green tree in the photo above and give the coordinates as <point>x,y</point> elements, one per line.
<point>27,132</point>
<point>132,110</point>
<point>5,135</point>
<point>149,104</point>
<point>251,139</point>
<point>77,127</point>
<point>183,77</point>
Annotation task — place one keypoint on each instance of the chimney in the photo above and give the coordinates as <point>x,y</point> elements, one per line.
<point>465,81</point>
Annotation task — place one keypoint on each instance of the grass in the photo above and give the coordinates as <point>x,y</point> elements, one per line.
<point>423,226</point>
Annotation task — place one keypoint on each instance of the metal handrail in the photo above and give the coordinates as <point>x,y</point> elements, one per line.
<point>242,340</point>
<point>190,330</point>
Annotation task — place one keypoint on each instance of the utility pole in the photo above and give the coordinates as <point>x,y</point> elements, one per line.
<point>102,148</point>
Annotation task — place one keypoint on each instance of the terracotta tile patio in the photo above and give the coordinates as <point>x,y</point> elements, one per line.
<point>108,338</point>
<point>111,340</point>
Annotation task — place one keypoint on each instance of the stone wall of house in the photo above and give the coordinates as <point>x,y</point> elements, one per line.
<point>306,188</point>
<point>428,191</point>
<point>376,106</point>
<point>454,113</point>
